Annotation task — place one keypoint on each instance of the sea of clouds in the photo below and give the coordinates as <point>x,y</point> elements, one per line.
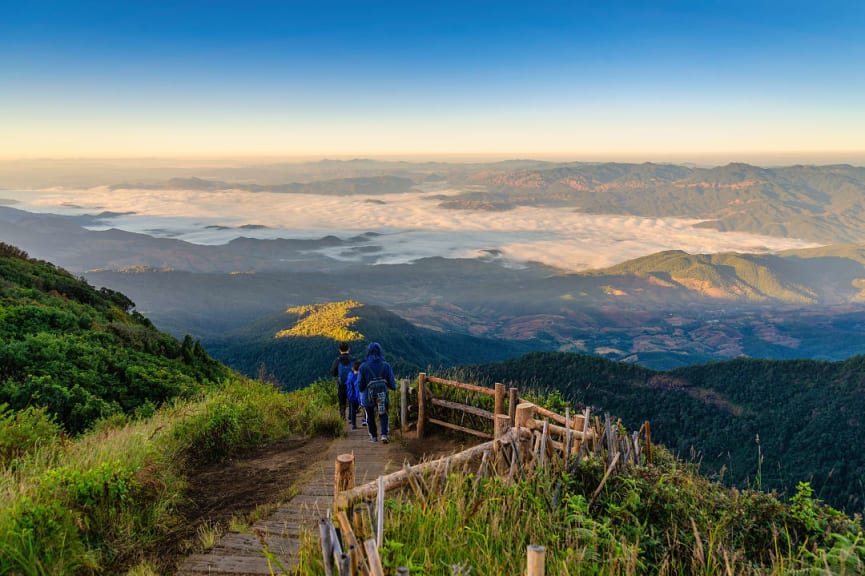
<point>412,225</point>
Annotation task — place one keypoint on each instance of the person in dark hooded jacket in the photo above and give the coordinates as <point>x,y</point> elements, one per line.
<point>374,378</point>
<point>340,369</point>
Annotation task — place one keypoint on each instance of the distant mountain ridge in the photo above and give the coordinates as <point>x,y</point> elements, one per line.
<point>387,184</point>
<point>818,203</point>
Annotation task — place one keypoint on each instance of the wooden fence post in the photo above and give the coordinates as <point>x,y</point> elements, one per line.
<point>648,442</point>
<point>536,560</point>
<point>403,405</point>
<point>500,399</point>
<point>512,405</point>
<point>502,425</point>
<point>343,475</point>
<point>421,392</point>
<point>525,414</point>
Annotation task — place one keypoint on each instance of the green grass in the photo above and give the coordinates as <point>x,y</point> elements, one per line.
<point>98,503</point>
<point>661,519</point>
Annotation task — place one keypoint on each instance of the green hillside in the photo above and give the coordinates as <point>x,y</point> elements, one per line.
<point>750,422</point>
<point>826,275</point>
<point>82,353</point>
<point>299,344</point>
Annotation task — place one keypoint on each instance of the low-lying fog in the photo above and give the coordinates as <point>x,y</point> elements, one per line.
<point>412,225</point>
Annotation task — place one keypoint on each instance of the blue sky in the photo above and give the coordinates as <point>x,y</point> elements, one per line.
<point>566,79</point>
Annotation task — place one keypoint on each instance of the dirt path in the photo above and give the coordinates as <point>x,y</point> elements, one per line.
<point>269,476</point>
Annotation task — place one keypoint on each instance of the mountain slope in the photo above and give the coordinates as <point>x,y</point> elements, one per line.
<point>81,352</point>
<point>299,344</point>
<point>819,203</point>
<point>827,275</point>
<point>766,422</point>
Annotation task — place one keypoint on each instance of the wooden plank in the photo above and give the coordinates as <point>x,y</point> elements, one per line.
<point>460,428</point>
<point>464,408</point>
<point>461,385</point>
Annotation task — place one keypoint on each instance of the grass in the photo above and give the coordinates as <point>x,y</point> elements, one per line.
<point>660,519</point>
<point>97,503</point>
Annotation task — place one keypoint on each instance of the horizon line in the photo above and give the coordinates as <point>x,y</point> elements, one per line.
<point>662,157</point>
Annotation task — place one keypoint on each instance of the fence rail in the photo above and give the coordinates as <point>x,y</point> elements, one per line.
<point>524,436</point>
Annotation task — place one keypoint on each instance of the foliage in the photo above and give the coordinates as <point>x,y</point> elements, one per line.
<point>661,519</point>
<point>330,320</point>
<point>24,431</point>
<point>80,355</point>
<point>804,412</point>
<point>97,503</point>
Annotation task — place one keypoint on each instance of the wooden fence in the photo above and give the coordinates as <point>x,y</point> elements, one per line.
<point>520,436</point>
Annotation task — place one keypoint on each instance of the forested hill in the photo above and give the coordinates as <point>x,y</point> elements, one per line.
<point>82,353</point>
<point>751,422</point>
<point>298,345</point>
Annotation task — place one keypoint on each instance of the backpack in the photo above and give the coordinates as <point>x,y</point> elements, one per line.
<point>377,391</point>
<point>344,369</point>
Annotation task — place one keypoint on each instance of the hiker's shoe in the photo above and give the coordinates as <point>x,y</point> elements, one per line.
<point>353,427</point>
<point>373,439</point>
<point>384,440</point>
<point>363,423</point>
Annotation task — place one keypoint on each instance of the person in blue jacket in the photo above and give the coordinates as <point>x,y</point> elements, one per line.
<point>374,378</point>
<point>353,395</point>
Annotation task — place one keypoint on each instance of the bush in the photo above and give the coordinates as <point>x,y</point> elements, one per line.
<point>22,432</point>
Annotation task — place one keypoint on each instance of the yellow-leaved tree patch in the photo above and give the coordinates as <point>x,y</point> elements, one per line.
<point>330,320</point>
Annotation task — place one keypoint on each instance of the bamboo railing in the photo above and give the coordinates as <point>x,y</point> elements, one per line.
<point>524,436</point>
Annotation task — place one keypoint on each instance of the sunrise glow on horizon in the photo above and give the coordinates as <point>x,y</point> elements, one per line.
<point>345,79</point>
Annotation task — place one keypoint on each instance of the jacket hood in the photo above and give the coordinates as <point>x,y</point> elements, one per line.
<point>374,351</point>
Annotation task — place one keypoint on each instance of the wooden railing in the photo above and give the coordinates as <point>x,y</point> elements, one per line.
<point>520,436</point>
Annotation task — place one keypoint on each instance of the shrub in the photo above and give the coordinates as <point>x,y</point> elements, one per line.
<point>21,432</point>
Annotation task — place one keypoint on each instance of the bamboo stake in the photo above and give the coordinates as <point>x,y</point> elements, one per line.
<point>421,392</point>
<point>375,567</point>
<point>482,469</point>
<point>403,405</point>
<point>326,545</point>
<point>362,520</point>
<point>567,451</point>
<point>354,560</point>
<point>337,547</point>
<point>585,425</point>
<point>536,560</point>
<point>412,481</point>
<point>350,540</point>
<point>648,442</point>
<point>344,564</point>
<point>604,479</point>
<point>544,444</point>
<point>379,529</point>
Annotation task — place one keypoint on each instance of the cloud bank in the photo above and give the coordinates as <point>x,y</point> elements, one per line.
<point>412,225</point>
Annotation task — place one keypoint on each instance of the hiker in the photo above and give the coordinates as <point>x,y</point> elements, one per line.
<point>340,369</point>
<point>353,395</point>
<point>374,378</point>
